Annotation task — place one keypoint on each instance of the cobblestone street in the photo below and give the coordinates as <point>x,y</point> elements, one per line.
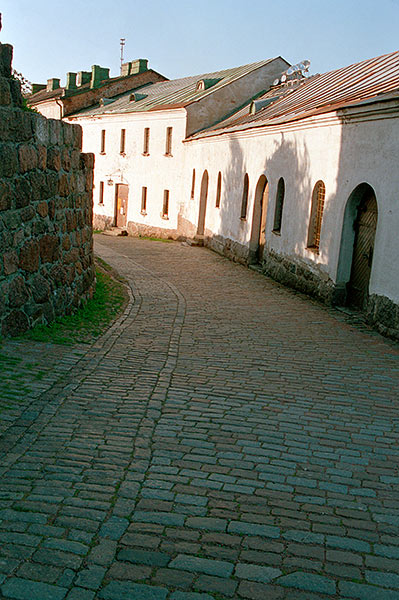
<point>226,438</point>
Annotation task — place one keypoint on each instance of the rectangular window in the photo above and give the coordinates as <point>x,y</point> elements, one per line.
<point>193,185</point>
<point>101,194</point>
<point>123,141</point>
<point>102,151</point>
<point>168,145</point>
<point>165,207</point>
<point>146,146</point>
<point>143,200</point>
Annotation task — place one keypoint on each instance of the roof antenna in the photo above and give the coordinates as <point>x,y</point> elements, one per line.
<point>123,41</point>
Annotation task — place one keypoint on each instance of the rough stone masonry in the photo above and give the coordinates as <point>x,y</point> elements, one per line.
<point>46,246</point>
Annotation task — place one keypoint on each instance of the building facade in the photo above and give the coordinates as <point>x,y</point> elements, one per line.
<point>296,175</point>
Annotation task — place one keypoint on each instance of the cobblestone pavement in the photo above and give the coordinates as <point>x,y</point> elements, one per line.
<point>226,438</point>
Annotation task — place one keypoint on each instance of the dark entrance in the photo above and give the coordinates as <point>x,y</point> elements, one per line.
<point>121,196</point>
<point>258,232</point>
<point>362,259</point>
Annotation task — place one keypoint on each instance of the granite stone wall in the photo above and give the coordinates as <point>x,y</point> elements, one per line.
<point>46,249</point>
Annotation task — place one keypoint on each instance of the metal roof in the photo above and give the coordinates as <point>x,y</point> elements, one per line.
<point>172,94</point>
<point>320,94</point>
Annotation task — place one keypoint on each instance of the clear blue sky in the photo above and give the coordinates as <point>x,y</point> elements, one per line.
<point>189,37</point>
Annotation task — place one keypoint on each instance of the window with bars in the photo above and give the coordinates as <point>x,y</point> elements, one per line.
<point>146,144</point>
<point>165,205</point>
<point>316,216</point>
<point>101,193</point>
<point>143,200</point>
<point>123,141</point>
<point>278,211</point>
<point>192,185</point>
<point>102,145</point>
<point>244,201</point>
<point>168,143</point>
<point>218,190</point>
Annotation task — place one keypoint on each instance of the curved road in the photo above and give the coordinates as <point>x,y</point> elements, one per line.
<point>226,438</point>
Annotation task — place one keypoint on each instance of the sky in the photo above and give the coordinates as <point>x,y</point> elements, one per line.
<point>190,37</point>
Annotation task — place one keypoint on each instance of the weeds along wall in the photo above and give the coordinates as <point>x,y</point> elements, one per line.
<point>46,243</point>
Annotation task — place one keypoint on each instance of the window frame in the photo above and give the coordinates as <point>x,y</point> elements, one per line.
<point>316,216</point>
<point>122,148</point>
<point>279,205</point>
<point>101,194</point>
<point>244,199</point>
<point>146,142</point>
<point>168,141</point>
<point>165,204</point>
<point>218,190</point>
<point>102,142</point>
<point>143,210</point>
<point>192,194</point>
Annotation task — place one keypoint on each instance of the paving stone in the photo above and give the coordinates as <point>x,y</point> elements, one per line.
<point>114,528</point>
<point>253,529</point>
<point>91,577</point>
<point>216,585</point>
<point>190,596</point>
<point>309,582</point>
<point>361,591</point>
<point>117,590</point>
<point>77,593</point>
<point>144,557</point>
<point>256,573</point>
<point>208,523</point>
<point>389,580</point>
<point>336,541</point>
<point>162,518</point>
<point>26,589</point>
<point>202,565</point>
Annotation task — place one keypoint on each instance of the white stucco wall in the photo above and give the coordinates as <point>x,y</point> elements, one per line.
<point>342,156</point>
<point>50,109</point>
<point>156,171</point>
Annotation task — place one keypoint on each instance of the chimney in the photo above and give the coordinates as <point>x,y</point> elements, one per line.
<point>135,66</point>
<point>52,84</point>
<point>71,81</point>
<point>84,77</point>
<point>139,66</point>
<point>38,87</point>
<point>98,74</point>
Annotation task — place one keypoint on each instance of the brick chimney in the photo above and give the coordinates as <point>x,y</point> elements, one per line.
<point>71,81</point>
<point>135,66</point>
<point>98,74</point>
<point>52,84</point>
<point>84,77</point>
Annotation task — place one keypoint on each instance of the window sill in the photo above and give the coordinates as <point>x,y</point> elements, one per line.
<point>122,153</point>
<point>165,217</point>
<point>243,218</point>
<point>276,232</point>
<point>168,155</point>
<point>313,249</point>
<point>146,154</point>
<point>101,204</point>
<point>143,212</point>
<point>102,153</point>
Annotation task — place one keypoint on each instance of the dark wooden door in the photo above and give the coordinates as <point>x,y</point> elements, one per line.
<point>122,193</point>
<point>362,260</point>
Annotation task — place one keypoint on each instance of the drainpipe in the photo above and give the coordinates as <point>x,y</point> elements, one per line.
<point>61,108</point>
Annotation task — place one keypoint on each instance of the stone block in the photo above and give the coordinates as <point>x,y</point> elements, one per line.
<point>40,289</point>
<point>8,160</point>
<point>5,60</point>
<point>22,192</point>
<point>27,213</point>
<point>55,132</point>
<point>15,323</point>
<point>15,88</point>
<point>10,262</point>
<point>66,159</point>
<point>29,256</point>
<point>18,293</point>
<point>42,209</point>
<point>63,185</point>
<point>5,195</point>
<point>49,248</point>
<point>28,157</point>
<point>41,129</point>
<point>41,156</point>
<point>53,159</point>
<point>5,92</point>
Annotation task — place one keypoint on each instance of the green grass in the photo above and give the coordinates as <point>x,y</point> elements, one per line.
<point>155,239</point>
<point>90,321</point>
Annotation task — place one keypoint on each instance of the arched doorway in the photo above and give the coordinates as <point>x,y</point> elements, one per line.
<point>357,245</point>
<point>258,231</point>
<point>202,205</point>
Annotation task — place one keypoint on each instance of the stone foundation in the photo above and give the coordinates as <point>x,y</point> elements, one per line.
<point>139,229</point>
<point>226,247</point>
<point>300,277</point>
<point>383,314</point>
<point>102,222</point>
<point>46,249</point>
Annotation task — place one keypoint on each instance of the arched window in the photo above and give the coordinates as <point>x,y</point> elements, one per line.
<point>278,211</point>
<point>316,216</point>
<point>193,185</point>
<point>218,190</point>
<point>244,202</point>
